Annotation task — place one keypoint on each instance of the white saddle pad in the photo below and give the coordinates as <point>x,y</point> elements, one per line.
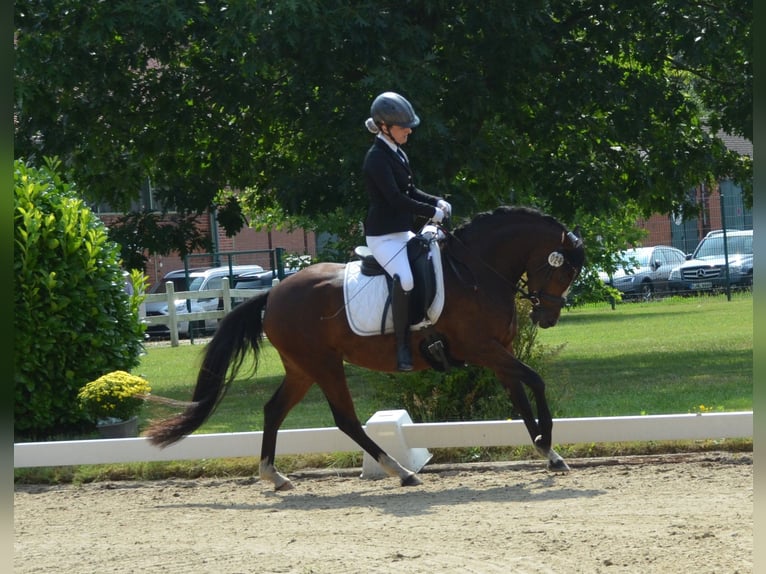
<point>366,296</point>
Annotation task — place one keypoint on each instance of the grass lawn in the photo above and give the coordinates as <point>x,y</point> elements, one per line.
<point>173,371</point>
<point>678,355</point>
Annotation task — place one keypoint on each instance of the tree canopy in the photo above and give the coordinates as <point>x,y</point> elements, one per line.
<point>594,111</point>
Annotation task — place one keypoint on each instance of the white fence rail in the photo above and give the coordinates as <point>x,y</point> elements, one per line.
<point>414,436</point>
<point>170,297</point>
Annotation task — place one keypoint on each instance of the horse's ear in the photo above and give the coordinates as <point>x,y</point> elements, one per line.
<point>575,237</point>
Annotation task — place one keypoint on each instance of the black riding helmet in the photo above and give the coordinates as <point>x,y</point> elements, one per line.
<point>393,110</point>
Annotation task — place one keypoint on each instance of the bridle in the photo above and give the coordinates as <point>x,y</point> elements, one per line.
<point>556,259</point>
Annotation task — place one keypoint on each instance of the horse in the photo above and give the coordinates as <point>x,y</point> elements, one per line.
<point>487,261</point>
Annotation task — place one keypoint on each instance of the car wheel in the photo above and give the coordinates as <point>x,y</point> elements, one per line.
<point>647,291</point>
<point>197,328</point>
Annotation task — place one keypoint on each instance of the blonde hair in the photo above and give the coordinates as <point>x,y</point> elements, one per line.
<point>371,126</point>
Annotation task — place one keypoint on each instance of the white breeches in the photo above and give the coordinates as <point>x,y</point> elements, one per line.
<point>391,252</point>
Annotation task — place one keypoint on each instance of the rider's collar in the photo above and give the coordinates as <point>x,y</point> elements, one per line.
<point>388,142</point>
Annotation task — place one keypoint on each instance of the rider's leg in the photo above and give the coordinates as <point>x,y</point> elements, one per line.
<point>400,309</point>
<point>391,253</point>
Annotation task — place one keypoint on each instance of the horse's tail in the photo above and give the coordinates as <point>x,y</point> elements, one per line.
<point>239,330</point>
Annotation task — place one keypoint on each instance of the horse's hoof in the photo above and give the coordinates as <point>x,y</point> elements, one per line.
<point>411,480</point>
<point>285,486</point>
<point>558,466</point>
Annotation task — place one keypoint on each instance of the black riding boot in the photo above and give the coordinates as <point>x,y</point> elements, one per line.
<point>400,310</point>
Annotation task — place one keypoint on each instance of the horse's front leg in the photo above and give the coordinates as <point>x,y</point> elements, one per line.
<point>512,376</point>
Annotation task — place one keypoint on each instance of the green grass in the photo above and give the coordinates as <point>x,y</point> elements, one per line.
<point>679,355</point>
<point>674,356</point>
<point>172,373</point>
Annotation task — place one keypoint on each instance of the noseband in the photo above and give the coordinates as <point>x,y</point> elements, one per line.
<point>537,297</point>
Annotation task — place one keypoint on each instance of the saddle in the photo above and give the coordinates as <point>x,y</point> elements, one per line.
<point>367,296</point>
<point>424,292</point>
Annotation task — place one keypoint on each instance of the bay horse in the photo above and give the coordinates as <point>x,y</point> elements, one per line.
<point>485,262</point>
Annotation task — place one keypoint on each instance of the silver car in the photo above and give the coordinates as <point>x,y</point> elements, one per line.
<point>644,271</point>
<point>706,268</point>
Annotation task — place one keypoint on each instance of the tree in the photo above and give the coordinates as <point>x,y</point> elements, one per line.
<point>591,110</point>
<point>73,319</point>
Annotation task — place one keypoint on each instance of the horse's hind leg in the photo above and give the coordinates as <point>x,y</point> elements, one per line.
<point>349,424</point>
<point>293,388</point>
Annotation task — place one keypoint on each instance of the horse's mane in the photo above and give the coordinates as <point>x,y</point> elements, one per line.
<point>483,219</point>
<point>515,215</point>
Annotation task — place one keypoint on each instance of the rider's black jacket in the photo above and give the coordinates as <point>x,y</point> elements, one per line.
<point>394,199</point>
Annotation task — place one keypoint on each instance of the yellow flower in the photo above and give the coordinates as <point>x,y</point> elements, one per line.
<point>117,394</point>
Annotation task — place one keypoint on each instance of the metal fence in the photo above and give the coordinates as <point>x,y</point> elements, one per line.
<point>719,208</point>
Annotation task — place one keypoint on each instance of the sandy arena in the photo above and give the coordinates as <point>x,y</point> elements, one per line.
<point>670,514</point>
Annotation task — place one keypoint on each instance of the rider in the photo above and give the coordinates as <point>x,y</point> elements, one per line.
<point>394,203</point>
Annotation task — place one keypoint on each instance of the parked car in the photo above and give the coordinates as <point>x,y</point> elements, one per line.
<point>200,279</point>
<point>258,281</point>
<point>644,271</point>
<point>178,278</point>
<point>705,269</point>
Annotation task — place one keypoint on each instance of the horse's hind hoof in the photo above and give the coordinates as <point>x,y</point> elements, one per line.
<point>284,487</point>
<point>411,480</point>
<point>558,466</point>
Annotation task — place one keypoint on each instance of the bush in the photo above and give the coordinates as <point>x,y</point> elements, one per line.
<point>472,392</point>
<point>74,320</point>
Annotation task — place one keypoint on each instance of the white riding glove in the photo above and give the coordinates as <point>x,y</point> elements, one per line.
<point>438,215</point>
<point>445,207</point>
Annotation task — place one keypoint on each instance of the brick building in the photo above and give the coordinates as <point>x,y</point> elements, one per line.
<point>256,244</point>
<point>720,207</point>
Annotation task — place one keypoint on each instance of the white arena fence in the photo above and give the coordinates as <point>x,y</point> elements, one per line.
<point>171,320</point>
<point>395,432</point>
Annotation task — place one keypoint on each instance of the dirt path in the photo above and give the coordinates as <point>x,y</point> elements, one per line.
<point>670,515</point>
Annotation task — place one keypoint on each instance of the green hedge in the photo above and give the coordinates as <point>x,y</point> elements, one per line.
<point>74,320</point>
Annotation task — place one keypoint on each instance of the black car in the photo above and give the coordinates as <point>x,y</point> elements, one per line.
<point>258,281</point>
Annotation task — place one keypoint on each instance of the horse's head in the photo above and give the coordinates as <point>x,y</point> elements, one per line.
<point>550,274</point>
<point>514,241</point>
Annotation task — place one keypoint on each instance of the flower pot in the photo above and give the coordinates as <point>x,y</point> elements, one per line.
<point>121,429</point>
